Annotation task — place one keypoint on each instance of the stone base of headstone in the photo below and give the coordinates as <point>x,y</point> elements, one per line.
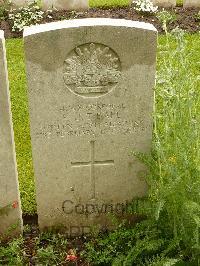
<point>191,3</point>
<point>65,4</point>
<point>10,207</point>
<point>164,3</point>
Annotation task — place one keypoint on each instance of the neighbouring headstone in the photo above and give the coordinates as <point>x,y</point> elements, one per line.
<point>90,86</point>
<point>191,3</point>
<point>164,3</point>
<point>65,4</point>
<point>10,207</point>
<point>21,3</point>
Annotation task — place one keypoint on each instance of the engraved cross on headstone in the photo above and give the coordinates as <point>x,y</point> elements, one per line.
<point>92,163</point>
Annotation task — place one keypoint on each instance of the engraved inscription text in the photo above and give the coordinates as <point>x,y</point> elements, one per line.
<point>90,119</point>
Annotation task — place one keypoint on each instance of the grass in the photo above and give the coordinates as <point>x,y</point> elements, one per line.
<point>12,254</point>
<point>110,3</point>
<point>46,249</point>
<point>17,79</point>
<point>179,2</point>
<point>193,51</point>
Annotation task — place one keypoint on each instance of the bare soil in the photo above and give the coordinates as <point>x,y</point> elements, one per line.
<point>186,19</point>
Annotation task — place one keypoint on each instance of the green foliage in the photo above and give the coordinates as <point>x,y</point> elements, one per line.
<point>70,15</point>
<point>110,3</point>
<point>159,261</point>
<point>4,9</point>
<point>130,246</point>
<point>17,80</point>
<point>51,249</point>
<point>174,178</point>
<point>179,2</point>
<point>170,235</point>
<point>25,16</point>
<point>48,249</point>
<point>12,254</point>
<point>197,16</point>
<point>48,256</point>
<point>166,17</point>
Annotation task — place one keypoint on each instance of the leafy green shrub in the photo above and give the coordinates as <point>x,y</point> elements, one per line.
<point>51,249</point>
<point>179,2</point>
<point>25,16</point>
<point>166,17</point>
<point>197,16</point>
<point>170,234</point>
<point>174,166</point>
<point>4,9</point>
<point>131,246</point>
<point>12,254</point>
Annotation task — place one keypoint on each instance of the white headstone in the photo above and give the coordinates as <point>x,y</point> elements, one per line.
<point>21,3</point>
<point>10,207</point>
<point>191,3</point>
<point>164,3</point>
<point>90,86</point>
<point>65,4</point>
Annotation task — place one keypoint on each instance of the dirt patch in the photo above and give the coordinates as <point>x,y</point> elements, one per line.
<point>30,247</point>
<point>185,18</point>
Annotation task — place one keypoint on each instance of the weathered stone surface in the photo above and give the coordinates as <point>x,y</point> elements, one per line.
<point>191,3</point>
<point>21,3</point>
<point>65,4</point>
<point>10,207</point>
<point>90,99</point>
<point>164,3</point>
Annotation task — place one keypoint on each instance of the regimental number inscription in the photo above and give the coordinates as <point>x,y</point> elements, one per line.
<point>92,70</point>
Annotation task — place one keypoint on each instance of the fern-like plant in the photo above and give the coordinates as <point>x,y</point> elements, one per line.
<point>171,232</point>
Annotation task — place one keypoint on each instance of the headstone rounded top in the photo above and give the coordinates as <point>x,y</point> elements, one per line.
<point>1,34</point>
<point>74,23</point>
